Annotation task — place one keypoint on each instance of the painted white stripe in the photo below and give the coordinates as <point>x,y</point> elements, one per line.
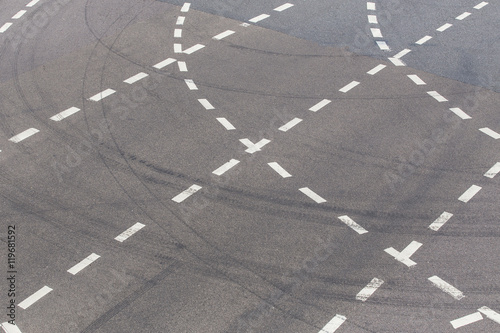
<point>423,40</point>
<point>35,297</point>
<point>376,33</point>
<point>396,61</point>
<point>437,96</point>
<point>191,85</point>
<point>490,314</point>
<point>164,63</point>
<point>194,48</point>
<point>349,86</point>
<point>177,48</point>
<point>129,232</point>
<point>440,221</point>
<point>136,77</point>
<point>460,113</point>
<point>223,35</point>
<point>333,324</point>
<point>64,114</point>
<point>283,7</point>
<point>84,263</point>
<point>490,132</point>
<point>462,16</point>
<point>404,256</point>
<point>185,7</point>
<point>225,167</point>
<point>282,172</point>
<point>471,192</point>
<point>182,66</point>
<point>10,328</point>
<point>320,105</point>
<point>353,225</point>
<point>372,19</point>
<point>446,287</point>
<point>226,124</point>
<point>19,14</point>
<point>32,3</point>
<point>180,20</point>
<point>102,95</point>
<point>402,53</point>
<point>206,104</point>
<point>444,27</point>
<point>418,81</point>
<point>259,18</point>
<point>370,288</point>
<point>383,45</point>
<point>480,5</point>
<point>493,171</point>
<point>466,320</point>
<point>186,194</point>
<point>5,27</point>
<point>24,135</point>
<point>371,6</point>
<point>245,25</point>
<point>252,148</point>
<point>312,195</point>
<point>290,124</point>
<point>376,69</point>
<point>178,33</point>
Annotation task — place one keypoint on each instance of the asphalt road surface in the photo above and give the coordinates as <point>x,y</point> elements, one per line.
<point>249,166</point>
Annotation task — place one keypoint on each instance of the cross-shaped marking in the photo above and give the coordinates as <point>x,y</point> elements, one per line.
<point>404,256</point>
<point>254,147</point>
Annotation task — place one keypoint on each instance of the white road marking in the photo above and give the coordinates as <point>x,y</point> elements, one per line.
<point>446,287</point>
<point>185,7</point>
<point>493,171</point>
<point>376,69</point>
<point>371,6</point>
<point>10,328</point>
<point>480,5</point>
<point>460,113</point>
<point>349,86</point>
<point>383,45</point>
<point>490,132</point>
<point>437,96</point>
<point>5,27</point>
<point>24,135</point>
<point>32,3</point>
<point>370,288</point>
<point>462,16</point>
<point>84,263</point>
<point>225,167</point>
<point>129,232</point>
<point>440,221</point>
<point>353,225</point>
<point>283,7</point>
<point>320,105</point>
<point>258,18</point>
<point>191,85</point>
<point>312,194</point>
<point>19,14</point>
<point>418,81</point>
<point>136,77</point>
<point>182,66</point>
<point>206,104</point>
<point>226,124</point>
<point>223,35</point>
<point>402,53</point>
<point>490,314</point>
<point>396,61</point>
<point>177,48</point>
<point>180,20</point>
<point>186,194</point>
<point>102,95</point>
<point>376,33</point>
<point>471,192</point>
<point>282,172</point>
<point>254,147</point>
<point>35,297</point>
<point>404,256</point>
<point>245,25</point>
<point>194,48</point>
<point>423,40</point>
<point>466,320</point>
<point>372,19</point>
<point>333,324</point>
<point>444,27</point>
<point>290,124</point>
<point>178,33</point>
<point>64,114</point>
<point>164,63</point>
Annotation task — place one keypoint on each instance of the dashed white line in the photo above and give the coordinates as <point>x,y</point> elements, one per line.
<point>417,80</point>
<point>371,6</point>
<point>258,18</point>
<point>320,105</point>
<point>24,135</point>
<point>353,225</point>
<point>226,124</point>
<point>223,35</point>
<point>462,16</point>
<point>493,171</point>
<point>178,33</point>
<point>206,104</point>
<point>490,132</point>
<point>372,19</point>
<point>470,193</point>
<point>254,147</point>
<point>307,191</point>
<point>423,40</point>
<point>182,66</point>
<point>370,288</point>
<point>440,221</point>
<point>283,7</point>
<point>35,297</point>
<point>102,95</point>
<point>10,328</point>
<point>437,96</point>
<point>32,3</point>
<point>84,263</point>
<point>466,320</point>
<point>64,114</point>
<point>19,14</point>
<point>136,77</point>
<point>186,194</point>
<point>177,48</point>
<point>396,61</point>
<point>5,27</point>
<point>194,48</point>
<point>164,63</point>
<point>185,7</point>
<point>444,27</point>
<point>446,287</point>
<point>376,33</point>
<point>180,20</point>
<point>191,85</point>
<point>404,256</point>
<point>402,53</point>
<point>460,113</point>
<point>225,167</point>
<point>290,124</point>
<point>129,232</point>
<point>480,5</point>
<point>376,69</point>
<point>383,45</point>
<point>490,314</point>
<point>333,324</point>
<point>349,86</point>
<point>282,172</point>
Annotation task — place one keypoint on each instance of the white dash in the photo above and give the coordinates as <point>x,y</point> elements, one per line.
<point>423,40</point>
<point>383,45</point>
<point>490,132</point>
<point>493,315</point>
<point>35,297</point>
<point>371,6</point>
<point>258,18</point>
<point>440,221</point>
<point>376,69</point>
<point>194,48</point>
<point>164,63</point>
<point>370,288</point>
<point>290,124</point>
<point>446,287</point>
<point>186,194</point>
<point>5,27</point>
<point>23,135</point>
<point>349,86</point>
<point>182,66</point>
<point>185,7</point>
<point>181,20</point>
<point>19,14</point>
<point>225,167</point>
<point>223,35</point>
<point>333,324</point>
<point>226,124</point>
<point>282,172</point>
<point>471,192</point>
<point>206,104</point>
<point>437,96</point>
<point>404,256</point>
<point>32,3</point>
<point>254,147</point>
<point>320,105</point>
<point>136,77</point>
<point>10,328</point>
<point>402,53</point>
<point>462,16</point>
<point>84,263</point>
<point>64,114</point>
<point>102,95</point>
<point>372,19</point>
<point>245,25</point>
<point>444,27</point>
<point>191,85</point>
<point>480,5</point>
<point>466,320</point>
<point>353,225</point>
<point>129,232</point>
<point>418,81</point>
<point>396,61</point>
<point>283,7</point>
<point>493,171</point>
<point>376,33</point>
<point>460,113</point>
<point>312,195</point>
<point>177,48</point>
<point>177,33</point>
